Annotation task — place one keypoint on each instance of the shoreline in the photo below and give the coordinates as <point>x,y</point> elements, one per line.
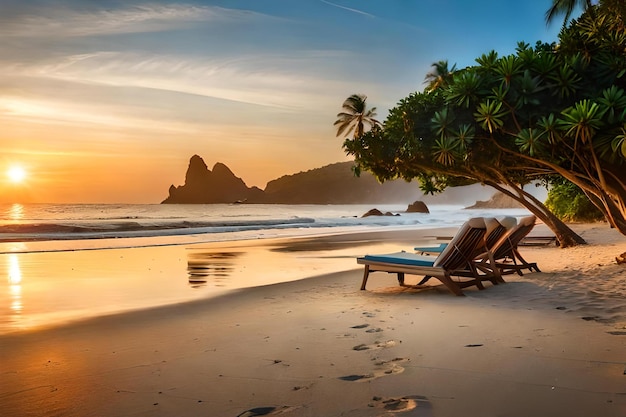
<point>56,287</point>
<point>153,275</point>
<point>105,243</point>
<point>546,344</point>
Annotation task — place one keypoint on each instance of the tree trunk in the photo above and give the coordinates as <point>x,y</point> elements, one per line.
<point>610,201</point>
<point>565,236</point>
<point>612,211</point>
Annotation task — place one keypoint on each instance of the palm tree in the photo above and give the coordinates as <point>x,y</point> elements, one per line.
<point>566,7</point>
<point>355,116</point>
<point>440,76</point>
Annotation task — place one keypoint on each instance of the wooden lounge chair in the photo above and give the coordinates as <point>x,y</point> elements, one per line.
<point>483,261</point>
<point>504,253</point>
<point>496,228</point>
<point>457,259</point>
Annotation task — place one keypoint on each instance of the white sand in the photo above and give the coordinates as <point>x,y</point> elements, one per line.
<point>546,344</point>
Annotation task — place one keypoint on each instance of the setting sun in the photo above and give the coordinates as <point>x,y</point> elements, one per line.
<point>16,174</point>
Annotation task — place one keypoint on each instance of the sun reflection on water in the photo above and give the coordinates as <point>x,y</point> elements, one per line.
<point>16,212</point>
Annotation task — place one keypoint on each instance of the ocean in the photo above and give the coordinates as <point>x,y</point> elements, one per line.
<point>102,226</point>
<point>67,262</point>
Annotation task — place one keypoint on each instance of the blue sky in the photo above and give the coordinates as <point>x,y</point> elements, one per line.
<point>106,101</point>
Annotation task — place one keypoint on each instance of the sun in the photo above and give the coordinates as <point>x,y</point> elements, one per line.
<point>16,174</point>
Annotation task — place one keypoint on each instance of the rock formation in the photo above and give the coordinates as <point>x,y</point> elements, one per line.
<point>204,186</point>
<point>337,184</point>
<point>376,212</point>
<point>332,184</point>
<point>417,207</point>
<point>497,201</point>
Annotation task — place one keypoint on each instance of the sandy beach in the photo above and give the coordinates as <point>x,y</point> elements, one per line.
<point>550,343</point>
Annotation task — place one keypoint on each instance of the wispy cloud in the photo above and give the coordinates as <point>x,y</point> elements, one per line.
<point>278,81</point>
<point>281,79</point>
<point>62,113</point>
<point>60,22</point>
<point>348,8</point>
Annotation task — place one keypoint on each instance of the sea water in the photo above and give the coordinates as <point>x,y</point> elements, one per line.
<point>77,261</point>
<point>114,225</point>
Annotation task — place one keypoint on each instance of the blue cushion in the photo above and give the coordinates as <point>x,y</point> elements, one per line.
<point>436,248</point>
<point>403,258</point>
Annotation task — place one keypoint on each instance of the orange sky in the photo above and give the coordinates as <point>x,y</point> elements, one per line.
<point>105,102</point>
<point>78,163</point>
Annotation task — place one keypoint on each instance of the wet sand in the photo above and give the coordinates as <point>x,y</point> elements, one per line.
<point>545,344</point>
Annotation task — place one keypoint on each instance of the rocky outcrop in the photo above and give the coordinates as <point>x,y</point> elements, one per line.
<point>204,186</point>
<point>376,212</point>
<point>497,201</point>
<point>417,207</point>
<point>337,184</point>
<point>332,184</point>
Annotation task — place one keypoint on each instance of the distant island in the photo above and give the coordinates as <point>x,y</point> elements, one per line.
<point>498,200</point>
<point>331,184</point>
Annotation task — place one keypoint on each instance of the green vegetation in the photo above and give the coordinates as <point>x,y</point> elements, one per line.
<point>548,111</point>
<point>570,204</point>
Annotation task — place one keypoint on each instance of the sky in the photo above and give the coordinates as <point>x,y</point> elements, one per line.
<point>106,101</point>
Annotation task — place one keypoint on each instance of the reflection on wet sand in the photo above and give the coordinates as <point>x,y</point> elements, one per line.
<point>215,266</point>
<point>15,280</point>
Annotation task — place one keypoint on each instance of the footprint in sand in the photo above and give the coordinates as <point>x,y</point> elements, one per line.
<point>374,330</point>
<point>412,405</point>
<point>362,346</point>
<point>376,345</point>
<point>267,411</point>
<point>383,368</point>
<point>365,325</point>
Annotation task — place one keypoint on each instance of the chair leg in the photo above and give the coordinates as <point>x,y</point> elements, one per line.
<point>479,284</point>
<point>424,280</point>
<point>366,274</point>
<point>525,264</point>
<point>496,271</point>
<point>447,281</point>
